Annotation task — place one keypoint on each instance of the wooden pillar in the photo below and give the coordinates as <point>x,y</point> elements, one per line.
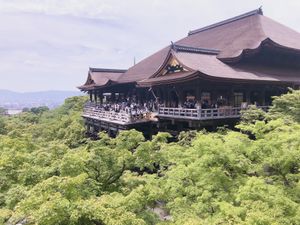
<point>108,129</point>
<point>198,93</point>
<point>263,96</point>
<point>213,96</point>
<point>138,96</point>
<point>101,98</point>
<point>91,96</point>
<point>181,96</point>
<point>92,129</point>
<point>100,127</point>
<point>88,128</point>
<point>95,96</point>
<point>231,96</point>
<point>248,92</point>
<point>150,130</point>
<point>113,96</point>
<point>165,96</point>
<point>169,94</point>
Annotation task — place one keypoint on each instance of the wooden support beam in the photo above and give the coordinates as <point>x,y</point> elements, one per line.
<point>91,96</point>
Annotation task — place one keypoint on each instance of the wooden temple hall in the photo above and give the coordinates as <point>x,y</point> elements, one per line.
<point>204,79</point>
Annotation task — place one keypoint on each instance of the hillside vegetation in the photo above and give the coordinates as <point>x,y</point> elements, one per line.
<point>51,174</point>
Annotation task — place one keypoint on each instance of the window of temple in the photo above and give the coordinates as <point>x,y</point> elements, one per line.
<point>205,100</point>
<point>205,96</point>
<point>174,100</point>
<point>106,97</point>
<point>255,98</point>
<point>221,101</point>
<point>238,99</point>
<point>268,96</point>
<point>189,99</point>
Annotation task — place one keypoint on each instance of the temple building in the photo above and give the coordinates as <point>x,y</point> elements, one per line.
<point>204,79</point>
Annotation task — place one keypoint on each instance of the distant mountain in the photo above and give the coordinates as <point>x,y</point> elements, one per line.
<point>13,100</point>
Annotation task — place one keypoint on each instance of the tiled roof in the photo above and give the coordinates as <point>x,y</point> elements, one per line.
<point>210,49</point>
<point>100,77</point>
<point>147,67</point>
<point>209,67</point>
<point>242,33</point>
<point>251,13</point>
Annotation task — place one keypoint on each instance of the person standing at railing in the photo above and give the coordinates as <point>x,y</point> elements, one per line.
<point>204,104</point>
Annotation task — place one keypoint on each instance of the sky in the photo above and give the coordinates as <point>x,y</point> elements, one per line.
<point>50,44</point>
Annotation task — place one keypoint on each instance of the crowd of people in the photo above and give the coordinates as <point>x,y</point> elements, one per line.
<point>133,107</point>
<point>129,106</point>
<point>193,104</point>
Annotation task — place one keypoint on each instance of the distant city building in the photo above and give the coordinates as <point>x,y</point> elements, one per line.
<point>204,79</point>
<point>12,112</point>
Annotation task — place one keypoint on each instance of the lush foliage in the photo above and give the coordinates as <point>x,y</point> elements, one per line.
<point>51,174</point>
<point>2,111</point>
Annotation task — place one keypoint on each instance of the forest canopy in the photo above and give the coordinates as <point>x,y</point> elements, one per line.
<point>52,174</point>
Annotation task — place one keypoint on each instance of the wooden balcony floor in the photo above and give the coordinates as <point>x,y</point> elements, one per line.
<point>125,118</point>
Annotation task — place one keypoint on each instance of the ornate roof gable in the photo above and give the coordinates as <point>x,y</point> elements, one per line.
<point>173,65</point>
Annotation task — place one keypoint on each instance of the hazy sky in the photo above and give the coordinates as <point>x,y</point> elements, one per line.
<point>50,44</point>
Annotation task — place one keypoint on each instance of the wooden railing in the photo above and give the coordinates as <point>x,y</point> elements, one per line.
<point>106,115</point>
<point>96,112</point>
<point>202,114</point>
<point>178,112</point>
<point>91,110</point>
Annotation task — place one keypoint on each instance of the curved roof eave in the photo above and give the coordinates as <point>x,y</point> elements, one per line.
<point>250,51</point>
<point>199,74</point>
<point>211,68</point>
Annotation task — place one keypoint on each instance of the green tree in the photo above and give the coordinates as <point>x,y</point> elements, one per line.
<point>51,174</point>
<point>287,105</point>
<point>39,110</point>
<point>2,126</point>
<point>252,114</point>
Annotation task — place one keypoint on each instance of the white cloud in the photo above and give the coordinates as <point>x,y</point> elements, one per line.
<point>49,44</point>
<point>81,8</point>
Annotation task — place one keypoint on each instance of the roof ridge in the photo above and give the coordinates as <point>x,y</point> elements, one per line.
<point>107,70</point>
<point>183,48</point>
<point>230,20</point>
